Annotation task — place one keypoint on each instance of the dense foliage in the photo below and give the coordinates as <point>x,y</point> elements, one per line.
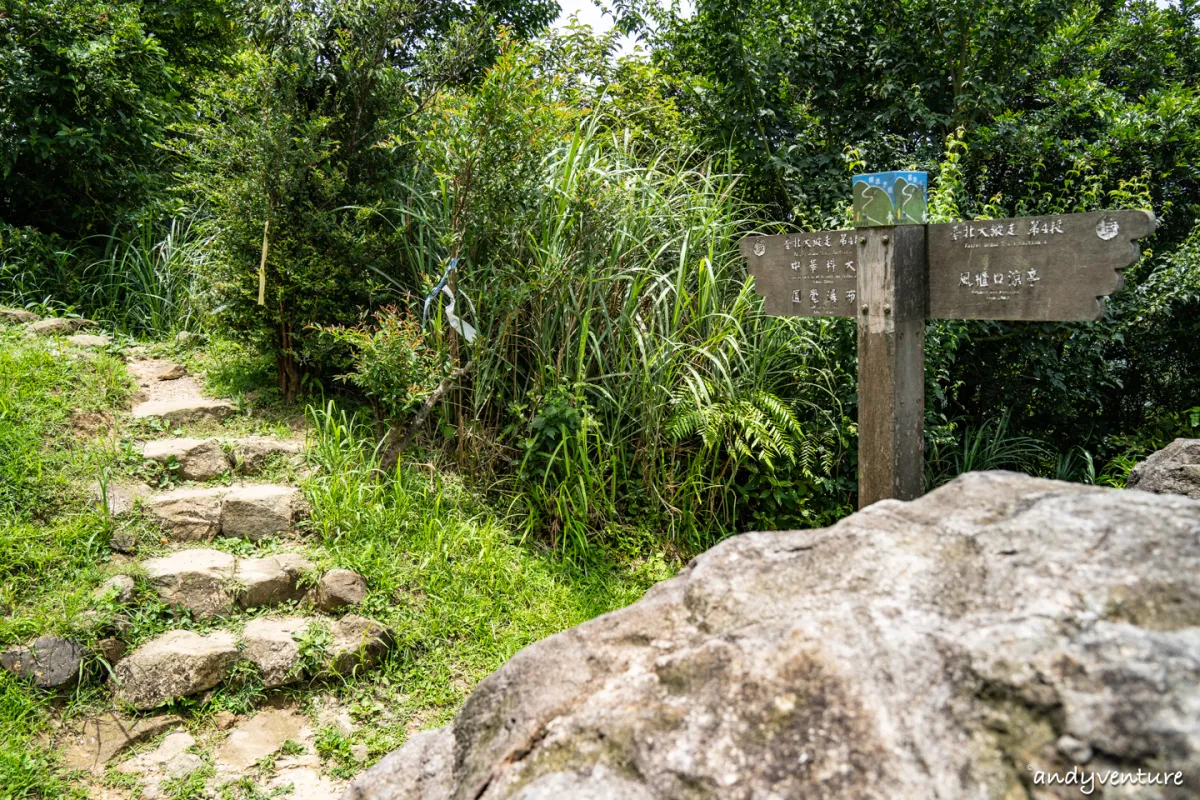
<point>1031,107</point>
<point>325,161</point>
<point>88,89</point>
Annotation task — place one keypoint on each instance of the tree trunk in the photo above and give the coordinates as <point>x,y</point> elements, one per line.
<point>286,366</point>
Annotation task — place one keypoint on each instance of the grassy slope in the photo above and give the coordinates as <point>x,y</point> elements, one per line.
<point>445,570</point>
<point>52,542</point>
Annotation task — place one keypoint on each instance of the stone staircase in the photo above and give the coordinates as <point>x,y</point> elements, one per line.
<point>211,584</point>
<point>274,615</point>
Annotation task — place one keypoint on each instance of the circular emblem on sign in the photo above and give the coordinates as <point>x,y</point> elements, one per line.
<point>1107,228</point>
<point>759,248</point>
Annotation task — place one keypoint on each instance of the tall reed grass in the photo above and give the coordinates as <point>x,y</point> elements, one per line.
<point>145,282</point>
<point>149,282</point>
<point>618,292</point>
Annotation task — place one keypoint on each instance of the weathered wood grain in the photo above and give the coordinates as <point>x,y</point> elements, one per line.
<point>1032,268</point>
<point>891,377</point>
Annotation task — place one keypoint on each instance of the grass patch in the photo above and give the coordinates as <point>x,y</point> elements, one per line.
<point>53,538</point>
<point>446,572</point>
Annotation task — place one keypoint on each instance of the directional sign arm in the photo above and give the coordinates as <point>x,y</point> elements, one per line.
<point>1049,268</point>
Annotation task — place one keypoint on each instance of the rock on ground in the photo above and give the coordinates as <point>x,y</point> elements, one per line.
<point>184,410</point>
<point>421,770</point>
<point>1173,470</point>
<point>197,459</point>
<point>270,580</point>
<point>89,340</point>
<point>171,748</point>
<point>118,587</point>
<point>97,740</point>
<point>210,582</point>
<point>199,580</point>
<point>119,498</point>
<point>57,326</point>
<point>254,512</point>
<point>940,648</point>
<point>51,662</point>
<point>304,784</point>
<point>110,649</point>
<point>17,316</point>
<point>170,372</point>
<point>248,512</point>
<point>188,515</point>
<point>252,453</point>
<point>182,765</point>
<point>259,737</point>
<point>358,643</point>
<point>273,647</point>
<point>124,543</point>
<point>175,664</point>
<point>338,588</point>
<point>203,459</point>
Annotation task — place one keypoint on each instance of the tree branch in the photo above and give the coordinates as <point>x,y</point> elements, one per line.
<point>395,443</point>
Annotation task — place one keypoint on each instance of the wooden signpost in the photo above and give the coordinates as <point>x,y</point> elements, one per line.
<point>892,278</point>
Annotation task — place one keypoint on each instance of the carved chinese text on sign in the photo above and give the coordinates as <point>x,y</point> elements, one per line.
<point>805,274</point>
<point>1031,268</point>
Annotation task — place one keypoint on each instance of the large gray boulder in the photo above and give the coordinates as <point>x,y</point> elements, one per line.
<point>1173,470</point>
<point>999,629</point>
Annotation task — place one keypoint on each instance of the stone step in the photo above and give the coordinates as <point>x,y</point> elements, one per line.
<point>181,411</point>
<point>17,316</point>
<point>203,459</point>
<point>150,371</point>
<point>210,583</point>
<point>249,512</point>
<point>93,742</point>
<point>181,663</point>
<point>57,326</point>
<point>89,340</point>
<point>175,664</point>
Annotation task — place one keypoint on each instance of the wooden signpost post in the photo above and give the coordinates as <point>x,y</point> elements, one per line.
<point>892,278</point>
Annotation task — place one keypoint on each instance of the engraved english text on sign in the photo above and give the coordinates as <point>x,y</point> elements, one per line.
<point>804,274</point>
<point>1033,268</point>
